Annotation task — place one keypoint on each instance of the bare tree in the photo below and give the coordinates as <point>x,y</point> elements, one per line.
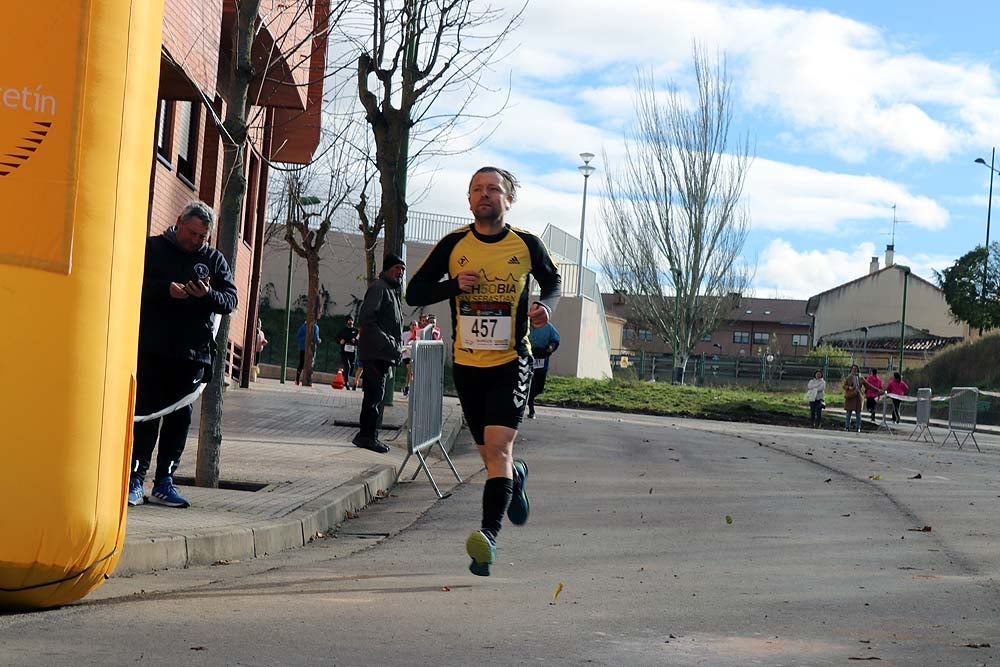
<point>329,184</point>
<point>409,53</point>
<point>676,225</point>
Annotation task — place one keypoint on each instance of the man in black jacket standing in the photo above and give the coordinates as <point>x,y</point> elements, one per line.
<point>185,282</point>
<point>380,321</point>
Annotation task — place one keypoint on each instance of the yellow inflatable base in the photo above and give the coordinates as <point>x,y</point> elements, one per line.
<point>78,100</point>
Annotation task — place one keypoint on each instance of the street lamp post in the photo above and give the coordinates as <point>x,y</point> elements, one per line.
<point>678,372</point>
<point>989,206</point>
<point>864,357</point>
<point>586,170</point>
<point>902,319</point>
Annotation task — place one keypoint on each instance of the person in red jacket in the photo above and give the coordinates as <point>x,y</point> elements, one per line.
<point>898,387</point>
<point>873,389</point>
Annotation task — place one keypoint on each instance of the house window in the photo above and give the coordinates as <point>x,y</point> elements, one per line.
<point>800,340</point>
<point>628,334</point>
<point>187,140</point>
<point>645,334</point>
<point>761,338</point>
<point>741,336</point>
<point>165,129</point>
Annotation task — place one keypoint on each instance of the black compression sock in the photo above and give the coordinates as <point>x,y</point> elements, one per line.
<point>496,498</point>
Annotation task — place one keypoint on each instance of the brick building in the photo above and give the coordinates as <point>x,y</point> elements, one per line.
<point>752,325</point>
<point>289,55</point>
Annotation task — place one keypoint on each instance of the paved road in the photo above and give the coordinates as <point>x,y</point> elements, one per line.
<point>821,565</point>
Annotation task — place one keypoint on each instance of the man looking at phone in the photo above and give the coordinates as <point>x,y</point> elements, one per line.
<point>185,282</point>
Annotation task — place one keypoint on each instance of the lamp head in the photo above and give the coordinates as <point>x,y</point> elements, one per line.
<point>586,157</point>
<point>586,170</point>
<point>980,160</point>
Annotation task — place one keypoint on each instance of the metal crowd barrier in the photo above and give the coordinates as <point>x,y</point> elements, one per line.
<point>426,402</point>
<point>962,408</point>
<point>923,427</point>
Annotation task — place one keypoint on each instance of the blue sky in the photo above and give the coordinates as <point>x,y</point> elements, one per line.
<point>852,107</point>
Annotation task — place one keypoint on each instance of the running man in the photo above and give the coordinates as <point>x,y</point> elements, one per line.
<point>488,265</point>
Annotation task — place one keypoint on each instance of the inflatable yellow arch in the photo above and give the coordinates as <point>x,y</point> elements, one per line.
<point>78,81</point>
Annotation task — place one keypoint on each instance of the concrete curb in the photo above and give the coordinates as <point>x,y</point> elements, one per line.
<point>251,539</point>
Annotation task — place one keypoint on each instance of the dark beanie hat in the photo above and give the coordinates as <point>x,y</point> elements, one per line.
<point>391,260</point>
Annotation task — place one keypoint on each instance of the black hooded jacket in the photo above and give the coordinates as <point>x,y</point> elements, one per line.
<point>182,328</point>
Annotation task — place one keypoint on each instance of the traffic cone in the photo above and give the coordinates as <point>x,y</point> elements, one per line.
<point>338,382</point>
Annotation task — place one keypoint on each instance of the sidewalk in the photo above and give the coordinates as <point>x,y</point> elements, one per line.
<point>287,473</point>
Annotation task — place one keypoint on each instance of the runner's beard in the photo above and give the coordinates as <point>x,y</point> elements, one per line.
<point>487,213</point>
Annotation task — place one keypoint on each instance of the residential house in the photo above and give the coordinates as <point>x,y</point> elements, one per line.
<point>864,313</point>
<point>752,326</point>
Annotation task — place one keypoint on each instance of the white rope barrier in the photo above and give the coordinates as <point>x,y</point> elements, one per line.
<point>190,398</point>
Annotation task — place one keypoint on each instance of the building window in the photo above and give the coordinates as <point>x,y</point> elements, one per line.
<point>165,129</point>
<point>707,338</point>
<point>800,340</point>
<point>645,334</point>
<point>628,334</point>
<point>761,338</point>
<point>188,116</point>
<point>741,336</point>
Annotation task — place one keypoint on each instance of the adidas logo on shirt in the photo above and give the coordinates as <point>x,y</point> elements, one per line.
<point>513,260</point>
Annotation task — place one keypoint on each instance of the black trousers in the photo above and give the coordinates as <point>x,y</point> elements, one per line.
<point>302,364</point>
<point>537,386</point>
<point>377,373</point>
<point>816,412</point>
<point>347,361</point>
<point>161,382</point>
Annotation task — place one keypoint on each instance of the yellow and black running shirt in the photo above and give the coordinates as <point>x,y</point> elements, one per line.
<point>490,323</point>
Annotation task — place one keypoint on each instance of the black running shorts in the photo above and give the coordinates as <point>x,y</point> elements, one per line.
<point>493,396</point>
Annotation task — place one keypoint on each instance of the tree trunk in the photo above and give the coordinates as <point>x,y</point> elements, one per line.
<point>234,194</point>
<point>392,180</point>
<point>312,314</point>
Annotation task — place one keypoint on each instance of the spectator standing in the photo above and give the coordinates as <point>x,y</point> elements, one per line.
<point>852,397</point>
<point>347,338</point>
<point>261,342</point>
<point>816,395</point>
<point>544,341</point>
<point>300,338</point>
<point>185,282</point>
<point>380,321</point>
<point>898,387</point>
<point>409,334</point>
<point>873,389</point>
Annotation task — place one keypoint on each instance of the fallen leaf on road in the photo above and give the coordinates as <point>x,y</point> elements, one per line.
<point>925,529</point>
<point>917,476</point>
<point>559,588</point>
<point>650,490</point>
<point>875,477</point>
<point>869,658</point>
<point>828,480</point>
<point>198,648</point>
<point>225,562</point>
<point>976,645</point>
<point>729,519</point>
<point>445,589</point>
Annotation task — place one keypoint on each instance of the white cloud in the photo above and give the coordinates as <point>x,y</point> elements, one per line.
<point>785,196</point>
<point>843,82</point>
<point>789,273</point>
